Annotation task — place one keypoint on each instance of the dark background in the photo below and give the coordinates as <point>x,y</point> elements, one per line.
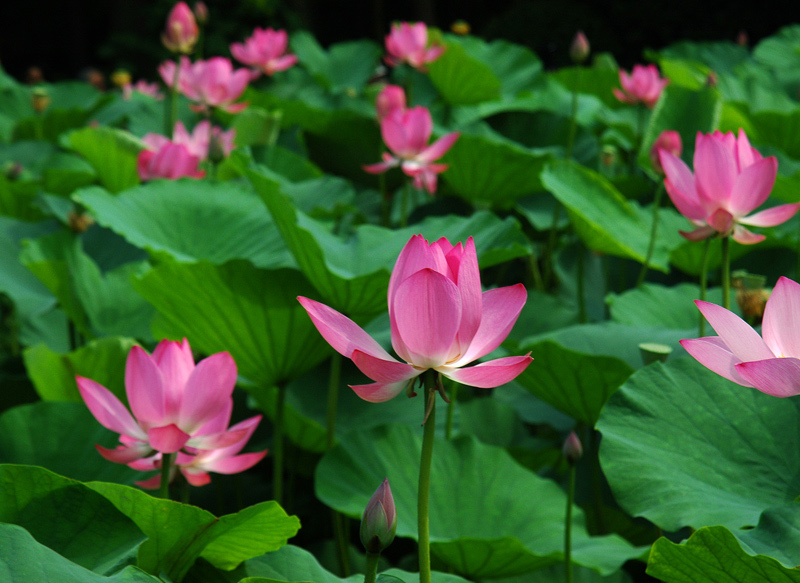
<point>64,37</point>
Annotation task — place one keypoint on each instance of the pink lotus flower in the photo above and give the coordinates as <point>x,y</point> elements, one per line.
<point>379,521</point>
<point>440,320</point>
<point>143,87</point>
<point>643,85</point>
<point>265,51</point>
<point>195,463</point>
<point>391,98</point>
<point>771,364</point>
<point>175,404</point>
<point>669,141</point>
<point>211,83</point>
<point>198,142</point>
<point>169,160</point>
<point>408,43</point>
<point>730,180</point>
<point>181,32</point>
<point>406,134</point>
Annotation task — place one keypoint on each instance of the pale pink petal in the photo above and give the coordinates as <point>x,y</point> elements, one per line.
<point>745,153</point>
<point>219,440</point>
<point>219,422</point>
<point>176,363</point>
<point>145,388</point>
<point>700,234</point>
<point>771,216</point>
<point>384,371</point>
<point>394,134</point>
<point>344,335</point>
<point>439,148</point>
<point>468,280</point>
<point>490,374</point>
<point>427,311</point>
<point>745,237</point>
<point>167,439</point>
<point>107,409</point>
<point>418,127</point>
<point>501,308</point>
<point>713,354</point>
<point>781,324</point>
<point>433,53</point>
<point>248,426</point>
<point>779,377</point>
<point>738,336</point>
<point>208,390</point>
<point>753,185</point>
<point>196,478</point>
<point>123,454</point>
<point>379,392</point>
<point>715,171</point>
<point>415,256</point>
<point>234,464</point>
<point>380,167</point>
<point>282,63</point>
<point>680,186</point>
<point>623,97</point>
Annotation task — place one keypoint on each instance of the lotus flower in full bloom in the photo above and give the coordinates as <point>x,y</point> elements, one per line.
<point>770,364</point>
<point>440,320</point>
<point>181,32</point>
<point>211,83</point>
<point>197,142</point>
<point>265,51</point>
<point>406,134</point>
<point>167,160</point>
<point>643,85</point>
<point>408,43</point>
<point>142,87</point>
<point>730,180</point>
<point>175,403</point>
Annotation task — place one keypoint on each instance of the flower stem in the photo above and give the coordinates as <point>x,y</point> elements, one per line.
<point>404,202</point>
<point>166,467</point>
<point>653,232</point>
<point>172,103</point>
<point>277,446</point>
<point>372,567</point>
<point>450,411</point>
<point>338,519</point>
<point>568,525</point>
<point>580,285</point>
<point>423,495</point>
<point>726,273</point>
<point>704,282</point>
<point>386,201</point>
<point>573,118</point>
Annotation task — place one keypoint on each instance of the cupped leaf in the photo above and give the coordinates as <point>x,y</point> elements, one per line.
<point>192,220</point>
<point>486,512</point>
<point>713,555</point>
<point>683,446</point>
<point>24,560</point>
<point>575,383</point>
<point>111,152</point>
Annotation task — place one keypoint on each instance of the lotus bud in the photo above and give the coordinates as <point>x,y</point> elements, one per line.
<point>379,523</point>
<point>750,294</point>
<point>201,12</point>
<point>181,32</point>
<point>40,100</point>
<point>579,49</point>
<point>572,450</point>
<point>669,141</point>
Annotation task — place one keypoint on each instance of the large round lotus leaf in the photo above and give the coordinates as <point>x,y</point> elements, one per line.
<point>684,447</point>
<point>489,517</point>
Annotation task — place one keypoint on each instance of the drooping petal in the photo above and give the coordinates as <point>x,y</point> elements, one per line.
<point>144,386</point>
<point>379,392</point>
<point>490,374</point>
<point>384,371</point>
<point>700,234</point>
<point>125,454</point>
<point>344,335</point>
<point>167,439</point>
<point>501,308</point>
<point>380,167</point>
<point>234,464</point>
<point>771,216</point>
<point>219,440</point>
<point>781,321</point>
<point>107,409</point>
<point>713,354</point>
<point>427,311</point>
<point>738,336</point>
<point>196,478</point>
<point>208,390</point>
<point>439,148</point>
<point>745,237</point>
<point>752,187</point>
<point>779,377</point>
<point>680,186</point>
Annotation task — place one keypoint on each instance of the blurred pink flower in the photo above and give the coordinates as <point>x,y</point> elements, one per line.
<point>669,141</point>
<point>265,51</point>
<point>643,85</point>
<point>198,142</point>
<point>440,320</point>
<point>167,160</point>
<point>391,98</point>
<point>181,32</point>
<point>408,43</point>
<point>406,134</point>
<point>730,180</point>
<point>211,83</point>
<point>175,403</point>
<point>142,87</point>
<point>771,364</point>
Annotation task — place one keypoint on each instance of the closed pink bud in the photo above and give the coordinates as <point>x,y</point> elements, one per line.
<point>391,98</point>
<point>573,450</point>
<point>669,141</point>
<point>201,12</point>
<point>379,523</point>
<point>579,49</point>
<point>181,32</point>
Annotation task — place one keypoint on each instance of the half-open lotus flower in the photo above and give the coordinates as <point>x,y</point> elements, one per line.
<point>408,43</point>
<point>731,179</point>
<point>265,51</point>
<point>173,403</point>
<point>165,159</point>
<point>210,83</point>
<point>440,320</point>
<point>643,85</point>
<point>770,364</point>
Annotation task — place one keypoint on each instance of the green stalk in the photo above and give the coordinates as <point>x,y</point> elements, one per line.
<point>386,202</point>
<point>726,273</point>
<point>423,495</point>
<point>568,525</point>
<point>653,231</point>
<point>704,282</point>
<point>580,284</point>
<point>573,118</point>
<point>372,567</point>
<point>277,446</point>
<point>450,410</point>
<point>166,466</point>
<point>172,102</point>
<point>641,112</point>
<point>404,202</point>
